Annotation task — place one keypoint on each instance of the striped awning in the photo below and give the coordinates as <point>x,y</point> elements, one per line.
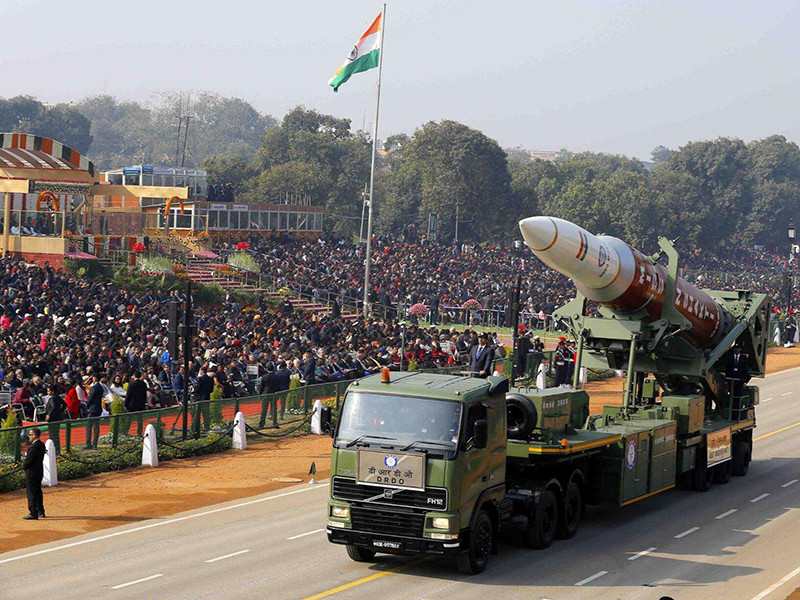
<point>25,151</point>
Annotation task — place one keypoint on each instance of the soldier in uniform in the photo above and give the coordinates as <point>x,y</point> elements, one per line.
<point>572,350</point>
<point>560,358</point>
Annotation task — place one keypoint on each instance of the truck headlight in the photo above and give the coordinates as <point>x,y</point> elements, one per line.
<point>340,512</point>
<point>441,523</point>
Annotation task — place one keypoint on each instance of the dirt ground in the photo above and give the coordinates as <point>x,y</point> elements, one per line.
<point>112,499</point>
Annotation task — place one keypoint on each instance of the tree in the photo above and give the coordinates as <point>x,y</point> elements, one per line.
<point>660,153</point>
<point>62,122</point>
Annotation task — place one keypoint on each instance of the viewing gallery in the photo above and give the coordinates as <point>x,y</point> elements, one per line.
<point>55,203</point>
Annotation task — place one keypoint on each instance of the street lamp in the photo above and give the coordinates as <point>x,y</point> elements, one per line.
<point>791,232</point>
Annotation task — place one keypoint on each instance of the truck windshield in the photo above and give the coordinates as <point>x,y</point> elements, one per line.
<point>405,421</point>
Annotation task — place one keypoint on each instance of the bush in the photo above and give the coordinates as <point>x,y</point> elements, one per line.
<point>215,408</point>
<point>412,365</point>
<point>294,399</point>
<point>155,264</point>
<point>7,438</point>
<point>244,262</point>
<point>124,422</point>
<point>84,267</point>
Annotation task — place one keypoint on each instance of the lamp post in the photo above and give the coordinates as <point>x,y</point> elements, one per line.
<point>791,232</point>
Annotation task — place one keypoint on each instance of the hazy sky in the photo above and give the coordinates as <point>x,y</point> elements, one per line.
<point>605,76</point>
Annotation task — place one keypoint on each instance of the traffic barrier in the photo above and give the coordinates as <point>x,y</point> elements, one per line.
<point>239,433</point>
<point>150,447</point>
<point>50,477</point>
<point>316,419</point>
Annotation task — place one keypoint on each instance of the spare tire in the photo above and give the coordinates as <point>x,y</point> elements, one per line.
<point>521,416</point>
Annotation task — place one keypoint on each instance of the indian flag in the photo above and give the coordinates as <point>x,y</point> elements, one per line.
<point>362,57</point>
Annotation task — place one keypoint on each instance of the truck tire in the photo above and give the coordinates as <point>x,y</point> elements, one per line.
<point>702,477</point>
<point>521,416</point>
<point>723,472</point>
<point>359,554</point>
<point>543,523</point>
<point>742,453</point>
<point>570,515</point>
<point>474,559</point>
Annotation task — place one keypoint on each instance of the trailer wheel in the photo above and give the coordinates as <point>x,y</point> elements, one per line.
<point>723,472</point>
<point>359,554</point>
<point>474,559</point>
<point>702,477</point>
<point>543,523</point>
<point>570,516</point>
<point>521,416</point>
<point>742,453</point>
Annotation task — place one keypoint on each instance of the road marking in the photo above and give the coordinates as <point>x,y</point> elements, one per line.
<point>727,513</point>
<point>788,483</point>
<point>142,580</point>
<point>294,537</point>
<point>367,579</point>
<point>759,498</point>
<point>213,560</point>
<point>787,394</point>
<point>776,585</point>
<point>777,431</point>
<point>162,523</point>
<point>641,554</point>
<point>592,578</point>
<point>687,532</point>
<point>766,399</point>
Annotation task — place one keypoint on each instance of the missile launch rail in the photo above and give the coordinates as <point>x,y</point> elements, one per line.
<point>446,465</point>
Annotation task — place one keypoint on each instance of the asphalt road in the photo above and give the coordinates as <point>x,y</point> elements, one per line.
<point>737,541</point>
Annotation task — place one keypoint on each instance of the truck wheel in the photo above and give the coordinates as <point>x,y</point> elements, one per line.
<point>474,559</point>
<point>359,554</point>
<point>723,472</point>
<point>702,477</point>
<point>742,453</point>
<point>570,517</point>
<point>543,523</point>
<point>521,416</point>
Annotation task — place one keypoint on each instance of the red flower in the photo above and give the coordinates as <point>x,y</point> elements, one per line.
<point>243,246</point>
<point>138,248</point>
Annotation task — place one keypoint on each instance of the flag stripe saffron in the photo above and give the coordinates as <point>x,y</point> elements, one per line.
<point>364,55</point>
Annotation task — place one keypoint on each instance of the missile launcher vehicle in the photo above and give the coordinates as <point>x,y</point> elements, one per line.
<point>446,465</point>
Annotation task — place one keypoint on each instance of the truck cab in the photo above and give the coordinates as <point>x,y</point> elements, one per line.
<point>412,456</point>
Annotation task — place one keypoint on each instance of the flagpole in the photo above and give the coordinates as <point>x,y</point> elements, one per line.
<point>372,170</point>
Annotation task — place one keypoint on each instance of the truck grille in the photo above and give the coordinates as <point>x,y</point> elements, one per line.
<point>391,521</point>
<point>431,499</point>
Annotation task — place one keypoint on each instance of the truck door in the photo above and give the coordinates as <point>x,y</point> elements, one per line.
<point>476,463</point>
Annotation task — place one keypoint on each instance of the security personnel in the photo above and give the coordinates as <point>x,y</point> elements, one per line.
<point>572,350</point>
<point>33,466</point>
<point>561,358</point>
<point>737,370</point>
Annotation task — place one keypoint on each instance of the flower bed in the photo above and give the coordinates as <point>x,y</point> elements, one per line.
<point>155,265</point>
<point>244,262</point>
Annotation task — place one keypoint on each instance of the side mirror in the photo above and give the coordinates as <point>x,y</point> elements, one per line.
<point>481,433</point>
<point>325,420</point>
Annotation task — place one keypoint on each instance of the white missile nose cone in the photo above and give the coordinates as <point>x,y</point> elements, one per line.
<point>539,232</point>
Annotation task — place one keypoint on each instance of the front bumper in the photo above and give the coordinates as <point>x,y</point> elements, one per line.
<point>393,544</point>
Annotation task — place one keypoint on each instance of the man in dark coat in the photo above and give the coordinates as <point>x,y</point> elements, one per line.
<point>55,409</point>
<point>204,387</point>
<point>94,408</point>
<point>34,471</point>
<point>136,398</point>
<point>309,372</point>
<point>480,358</point>
<point>737,369</point>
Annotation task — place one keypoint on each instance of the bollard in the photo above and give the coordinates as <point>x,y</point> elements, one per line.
<point>541,377</point>
<point>316,418</point>
<point>50,477</point>
<point>584,376</point>
<point>150,447</point>
<point>239,432</point>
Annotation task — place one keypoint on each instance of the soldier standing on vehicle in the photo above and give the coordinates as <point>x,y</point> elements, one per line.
<point>560,358</point>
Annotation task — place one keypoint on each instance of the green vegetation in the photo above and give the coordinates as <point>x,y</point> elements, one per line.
<point>62,122</point>
<point>83,267</point>
<point>244,262</point>
<point>7,437</point>
<point>161,265</point>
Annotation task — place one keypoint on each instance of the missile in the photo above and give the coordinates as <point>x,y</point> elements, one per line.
<point>610,272</point>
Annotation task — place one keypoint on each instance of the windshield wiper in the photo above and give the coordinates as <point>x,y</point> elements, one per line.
<point>432,442</point>
<point>353,442</point>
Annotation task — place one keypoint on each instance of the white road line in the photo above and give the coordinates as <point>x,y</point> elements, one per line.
<point>727,513</point>
<point>759,498</point>
<point>788,483</point>
<point>787,394</point>
<point>319,486</point>
<point>641,554</point>
<point>776,585</point>
<point>766,399</point>
<point>592,578</point>
<point>142,580</point>
<point>213,560</point>
<point>294,537</point>
<point>687,532</point>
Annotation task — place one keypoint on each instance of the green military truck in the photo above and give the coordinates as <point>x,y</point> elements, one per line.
<point>443,465</point>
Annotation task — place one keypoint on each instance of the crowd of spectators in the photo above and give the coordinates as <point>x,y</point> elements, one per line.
<point>86,342</point>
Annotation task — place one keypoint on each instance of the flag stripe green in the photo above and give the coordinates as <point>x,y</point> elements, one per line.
<point>362,63</point>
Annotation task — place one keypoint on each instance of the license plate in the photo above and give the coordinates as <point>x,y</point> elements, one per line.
<point>388,545</point>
